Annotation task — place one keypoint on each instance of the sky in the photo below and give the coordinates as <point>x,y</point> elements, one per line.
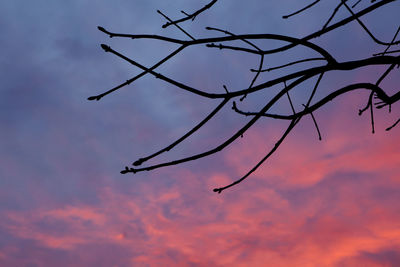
<point>63,201</point>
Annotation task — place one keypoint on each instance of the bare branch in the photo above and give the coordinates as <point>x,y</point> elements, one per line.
<point>368,86</point>
<point>290,100</point>
<point>394,125</point>
<point>301,10</point>
<point>295,77</point>
<point>392,42</point>
<point>98,97</point>
<point>334,26</point>
<point>191,16</point>
<point>229,140</point>
<point>251,44</point>
<point>141,36</point>
<point>278,143</point>
<point>179,27</point>
<point>197,127</point>
<point>366,29</point>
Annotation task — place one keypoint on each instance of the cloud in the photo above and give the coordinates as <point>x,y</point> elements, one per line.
<point>328,203</point>
<point>184,223</point>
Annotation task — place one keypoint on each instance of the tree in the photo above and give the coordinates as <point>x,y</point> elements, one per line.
<point>323,63</point>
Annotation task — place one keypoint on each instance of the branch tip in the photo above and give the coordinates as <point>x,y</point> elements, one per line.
<point>93,98</point>
<point>138,162</point>
<point>106,47</point>
<point>218,190</point>
<point>125,171</point>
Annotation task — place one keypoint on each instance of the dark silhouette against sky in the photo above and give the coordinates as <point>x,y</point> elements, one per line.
<point>328,202</point>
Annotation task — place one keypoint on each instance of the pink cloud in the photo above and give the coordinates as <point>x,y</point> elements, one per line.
<point>329,203</point>
<point>303,161</point>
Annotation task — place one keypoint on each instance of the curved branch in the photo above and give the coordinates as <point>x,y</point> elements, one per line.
<point>332,15</point>
<point>293,123</point>
<point>294,41</point>
<point>141,36</point>
<point>393,125</point>
<point>376,40</point>
<point>278,143</point>
<point>266,36</point>
<point>368,86</point>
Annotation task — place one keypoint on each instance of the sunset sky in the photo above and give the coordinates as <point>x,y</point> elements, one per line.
<point>63,201</point>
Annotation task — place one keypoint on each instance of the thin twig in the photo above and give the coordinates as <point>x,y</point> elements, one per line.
<point>251,44</point>
<point>290,100</point>
<point>277,144</point>
<point>353,6</point>
<point>332,27</point>
<point>315,124</point>
<point>391,127</point>
<point>98,97</point>
<point>332,15</point>
<point>301,10</point>
<point>370,99</point>
<point>366,29</point>
<point>189,133</point>
<point>313,71</point>
<point>179,27</point>
<point>392,42</point>
<point>368,86</point>
<point>190,16</point>
<point>299,76</point>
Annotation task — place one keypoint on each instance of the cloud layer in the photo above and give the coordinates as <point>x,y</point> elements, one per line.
<point>63,202</point>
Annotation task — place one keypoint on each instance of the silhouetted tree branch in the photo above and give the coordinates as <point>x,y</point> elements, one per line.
<point>326,63</point>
